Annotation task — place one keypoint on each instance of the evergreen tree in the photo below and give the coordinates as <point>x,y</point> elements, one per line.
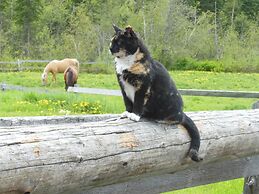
<point>26,14</point>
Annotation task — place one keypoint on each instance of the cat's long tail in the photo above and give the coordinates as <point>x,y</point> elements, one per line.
<point>195,137</point>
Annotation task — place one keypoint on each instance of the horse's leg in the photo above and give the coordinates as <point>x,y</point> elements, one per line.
<point>54,79</point>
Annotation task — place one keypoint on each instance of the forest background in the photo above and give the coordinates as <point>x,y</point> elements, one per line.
<point>208,35</point>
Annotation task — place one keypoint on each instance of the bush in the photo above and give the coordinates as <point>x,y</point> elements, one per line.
<point>191,64</point>
<point>97,68</point>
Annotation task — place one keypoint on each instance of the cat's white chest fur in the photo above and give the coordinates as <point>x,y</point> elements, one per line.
<point>129,89</point>
<point>123,64</point>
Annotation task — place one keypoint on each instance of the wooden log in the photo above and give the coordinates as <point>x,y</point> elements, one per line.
<point>196,175</point>
<point>43,120</point>
<point>190,92</point>
<point>251,183</point>
<point>81,157</point>
<point>255,105</point>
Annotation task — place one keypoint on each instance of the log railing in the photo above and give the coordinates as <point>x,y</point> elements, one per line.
<point>91,154</point>
<point>189,92</point>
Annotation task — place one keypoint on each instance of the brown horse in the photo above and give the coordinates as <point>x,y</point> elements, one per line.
<point>57,66</point>
<point>70,77</point>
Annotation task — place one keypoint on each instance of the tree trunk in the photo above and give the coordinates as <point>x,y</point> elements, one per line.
<point>216,41</point>
<point>233,13</point>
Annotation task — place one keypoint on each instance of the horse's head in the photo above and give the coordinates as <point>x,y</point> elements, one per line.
<point>44,78</point>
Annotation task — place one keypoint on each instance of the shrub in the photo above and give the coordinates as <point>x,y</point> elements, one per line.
<point>191,64</point>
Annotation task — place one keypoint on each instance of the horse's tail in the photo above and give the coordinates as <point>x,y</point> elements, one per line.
<point>69,78</point>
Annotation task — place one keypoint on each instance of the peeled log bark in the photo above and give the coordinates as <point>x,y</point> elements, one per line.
<point>78,157</point>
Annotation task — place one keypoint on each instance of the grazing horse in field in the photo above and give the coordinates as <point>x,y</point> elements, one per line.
<point>70,77</point>
<point>57,66</point>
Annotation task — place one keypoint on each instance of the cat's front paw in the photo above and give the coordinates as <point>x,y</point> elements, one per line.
<point>124,114</point>
<point>133,117</point>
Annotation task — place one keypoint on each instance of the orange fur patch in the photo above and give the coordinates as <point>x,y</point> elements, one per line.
<point>139,56</point>
<point>138,68</point>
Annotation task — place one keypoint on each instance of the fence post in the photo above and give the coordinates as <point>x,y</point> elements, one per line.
<point>3,86</point>
<point>19,65</point>
<point>255,105</point>
<point>251,183</point>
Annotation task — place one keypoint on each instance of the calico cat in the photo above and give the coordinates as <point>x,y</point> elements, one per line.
<point>147,88</point>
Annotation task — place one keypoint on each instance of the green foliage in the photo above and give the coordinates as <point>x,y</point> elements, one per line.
<point>172,30</point>
<point>250,8</point>
<point>26,15</point>
<point>191,64</point>
<point>27,11</point>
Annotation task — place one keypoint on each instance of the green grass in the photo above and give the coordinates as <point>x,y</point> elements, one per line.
<point>58,102</point>
<point>16,103</point>
<point>227,187</point>
<point>183,79</point>
<point>188,79</point>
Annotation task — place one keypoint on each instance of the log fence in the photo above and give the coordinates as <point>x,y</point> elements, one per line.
<point>189,92</point>
<point>106,154</point>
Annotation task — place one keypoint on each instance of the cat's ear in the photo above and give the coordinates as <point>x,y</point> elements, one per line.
<point>116,29</point>
<point>129,32</point>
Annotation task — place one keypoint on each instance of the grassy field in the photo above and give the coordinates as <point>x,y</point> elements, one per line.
<point>227,187</point>
<point>57,102</point>
<point>183,79</point>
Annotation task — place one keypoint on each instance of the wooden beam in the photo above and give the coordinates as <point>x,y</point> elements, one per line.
<point>82,157</point>
<point>197,175</point>
<point>220,93</point>
<point>44,120</point>
<point>109,92</point>
<point>251,183</point>
<point>189,92</point>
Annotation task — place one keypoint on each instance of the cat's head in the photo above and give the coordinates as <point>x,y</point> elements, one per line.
<point>124,42</point>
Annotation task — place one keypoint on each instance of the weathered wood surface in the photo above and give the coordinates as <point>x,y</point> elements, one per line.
<point>190,92</point>
<point>80,157</point>
<point>197,175</point>
<point>251,183</point>
<point>41,120</point>
<point>255,105</point>
<point>109,92</point>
